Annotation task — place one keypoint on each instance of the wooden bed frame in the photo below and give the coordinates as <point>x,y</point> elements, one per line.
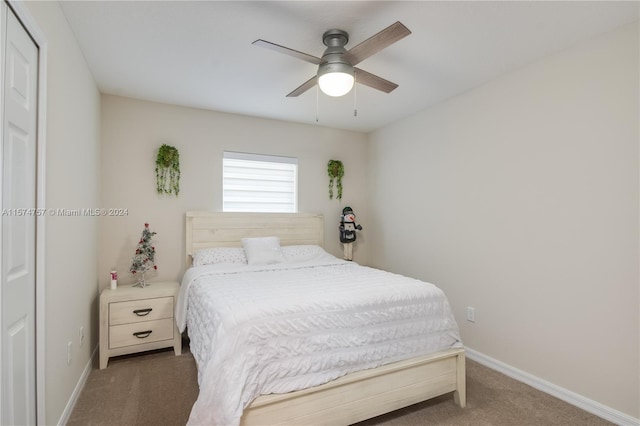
<point>352,398</point>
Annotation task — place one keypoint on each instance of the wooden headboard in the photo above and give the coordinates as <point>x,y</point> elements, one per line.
<point>217,229</point>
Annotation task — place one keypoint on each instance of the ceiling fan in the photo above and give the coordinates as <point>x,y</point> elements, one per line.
<point>336,69</point>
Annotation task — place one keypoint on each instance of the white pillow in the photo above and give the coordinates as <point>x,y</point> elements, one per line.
<point>263,250</point>
<point>301,252</point>
<point>211,256</point>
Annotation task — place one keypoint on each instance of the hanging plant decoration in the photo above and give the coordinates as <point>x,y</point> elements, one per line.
<point>335,169</point>
<point>168,170</point>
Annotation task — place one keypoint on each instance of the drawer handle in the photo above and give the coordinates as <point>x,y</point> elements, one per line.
<point>142,312</point>
<point>143,334</point>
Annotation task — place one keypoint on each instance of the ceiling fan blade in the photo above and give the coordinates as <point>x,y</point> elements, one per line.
<point>304,87</point>
<point>376,43</point>
<point>287,51</point>
<point>374,81</point>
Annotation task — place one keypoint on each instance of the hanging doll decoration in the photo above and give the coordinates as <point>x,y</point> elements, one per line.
<point>348,227</point>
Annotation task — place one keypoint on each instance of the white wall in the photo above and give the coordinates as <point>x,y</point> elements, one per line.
<point>520,198</point>
<point>132,132</point>
<point>72,158</point>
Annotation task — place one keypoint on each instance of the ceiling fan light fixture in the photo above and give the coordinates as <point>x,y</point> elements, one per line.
<point>336,79</point>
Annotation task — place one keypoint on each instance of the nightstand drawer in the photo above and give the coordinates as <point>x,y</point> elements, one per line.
<point>141,332</point>
<point>140,310</point>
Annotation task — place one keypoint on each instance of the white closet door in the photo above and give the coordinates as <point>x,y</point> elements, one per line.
<point>19,98</point>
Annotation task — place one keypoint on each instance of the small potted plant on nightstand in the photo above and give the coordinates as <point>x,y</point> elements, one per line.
<point>143,259</point>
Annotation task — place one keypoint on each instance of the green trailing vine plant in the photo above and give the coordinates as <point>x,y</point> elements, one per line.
<point>335,169</point>
<point>168,170</point>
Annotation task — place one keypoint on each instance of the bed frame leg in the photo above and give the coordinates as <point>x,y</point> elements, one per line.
<point>460,394</point>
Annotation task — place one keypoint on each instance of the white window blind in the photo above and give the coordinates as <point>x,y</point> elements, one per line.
<point>259,183</point>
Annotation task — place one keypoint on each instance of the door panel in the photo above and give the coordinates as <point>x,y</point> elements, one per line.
<point>16,169</point>
<point>17,294</point>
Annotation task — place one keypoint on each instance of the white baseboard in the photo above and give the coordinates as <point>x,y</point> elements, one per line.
<point>565,395</point>
<point>64,418</point>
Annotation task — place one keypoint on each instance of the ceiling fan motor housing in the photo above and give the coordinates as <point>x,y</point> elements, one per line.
<point>335,40</point>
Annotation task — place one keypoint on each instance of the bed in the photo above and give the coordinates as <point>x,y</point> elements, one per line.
<point>240,384</point>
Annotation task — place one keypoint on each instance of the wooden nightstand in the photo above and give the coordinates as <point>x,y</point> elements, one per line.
<point>134,319</point>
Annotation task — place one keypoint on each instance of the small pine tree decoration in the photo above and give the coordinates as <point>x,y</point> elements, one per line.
<point>143,260</point>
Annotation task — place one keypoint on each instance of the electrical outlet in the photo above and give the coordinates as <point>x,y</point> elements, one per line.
<point>471,314</point>
<point>81,333</point>
<point>69,353</point>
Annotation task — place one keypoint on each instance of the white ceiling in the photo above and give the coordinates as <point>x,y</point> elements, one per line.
<point>199,53</point>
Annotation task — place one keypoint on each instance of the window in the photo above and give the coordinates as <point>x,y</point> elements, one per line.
<point>259,183</point>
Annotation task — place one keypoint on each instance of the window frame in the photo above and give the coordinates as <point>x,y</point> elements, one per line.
<point>266,160</point>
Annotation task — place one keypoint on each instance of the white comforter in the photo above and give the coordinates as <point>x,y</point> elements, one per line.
<point>280,328</point>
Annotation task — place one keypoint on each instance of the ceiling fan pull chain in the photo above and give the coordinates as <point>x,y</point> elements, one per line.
<point>317,97</point>
<point>355,93</point>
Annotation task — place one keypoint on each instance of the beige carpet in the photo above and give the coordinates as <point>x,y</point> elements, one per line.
<point>158,389</point>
